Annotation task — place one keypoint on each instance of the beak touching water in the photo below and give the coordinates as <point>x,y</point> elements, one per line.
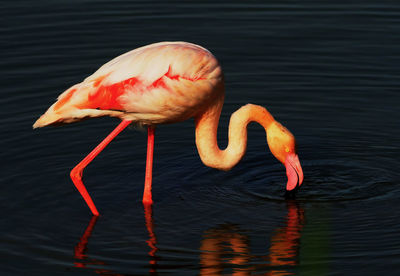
<point>294,171</point>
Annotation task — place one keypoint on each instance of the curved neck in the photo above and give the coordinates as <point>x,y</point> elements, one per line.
<point>206,134</point>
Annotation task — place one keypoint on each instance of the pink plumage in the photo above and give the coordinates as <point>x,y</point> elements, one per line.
<point>168,82</point>
<point>159,83</point>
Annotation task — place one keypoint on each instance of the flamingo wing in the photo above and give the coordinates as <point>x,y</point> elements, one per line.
<point>158,83</point>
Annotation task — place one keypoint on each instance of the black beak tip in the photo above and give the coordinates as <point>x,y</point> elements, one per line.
<point>292,193</point>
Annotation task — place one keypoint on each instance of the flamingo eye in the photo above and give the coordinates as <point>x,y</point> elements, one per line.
<point>287,149</point>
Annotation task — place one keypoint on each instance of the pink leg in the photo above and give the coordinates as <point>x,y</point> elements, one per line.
<point>149,166</point>
<point>76,173</point>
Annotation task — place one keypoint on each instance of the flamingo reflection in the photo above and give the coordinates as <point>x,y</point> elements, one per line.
<point>285,243</point>
<point>152,241</point>
<point>81,247</point>
<point>227,247</point>
<point>83,261</point>
<point>224,243</point>
<point>224,248</point>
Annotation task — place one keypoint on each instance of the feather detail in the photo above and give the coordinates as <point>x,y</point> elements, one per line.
<point>159,83</point>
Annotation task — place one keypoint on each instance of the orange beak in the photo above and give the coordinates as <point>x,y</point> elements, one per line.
<point>294,171</point>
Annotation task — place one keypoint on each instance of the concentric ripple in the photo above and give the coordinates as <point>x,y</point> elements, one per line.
<point>327,180</point>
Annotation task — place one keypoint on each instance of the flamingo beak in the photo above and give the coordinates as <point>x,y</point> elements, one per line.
<point>294,171</point>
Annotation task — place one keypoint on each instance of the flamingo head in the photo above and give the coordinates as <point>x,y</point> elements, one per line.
<point>282,144</point>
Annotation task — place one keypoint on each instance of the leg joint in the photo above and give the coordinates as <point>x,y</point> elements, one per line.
<point>76,173</point>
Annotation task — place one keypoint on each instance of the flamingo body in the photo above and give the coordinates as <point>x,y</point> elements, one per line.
<point>160,83</point>
<point>168,82</point>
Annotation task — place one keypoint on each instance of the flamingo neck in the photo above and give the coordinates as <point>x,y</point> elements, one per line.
<point>206,134</point>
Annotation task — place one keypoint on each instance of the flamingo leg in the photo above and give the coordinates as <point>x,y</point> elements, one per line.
<point>147,199</point>
<point>76,172</point>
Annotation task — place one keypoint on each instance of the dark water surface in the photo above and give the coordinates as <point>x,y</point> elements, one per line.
<point>328,70</point>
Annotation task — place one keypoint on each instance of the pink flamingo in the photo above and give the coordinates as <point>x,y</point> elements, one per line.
<point>168,82</point>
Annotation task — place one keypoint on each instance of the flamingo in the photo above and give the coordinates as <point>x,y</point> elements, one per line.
<point>168,82</point>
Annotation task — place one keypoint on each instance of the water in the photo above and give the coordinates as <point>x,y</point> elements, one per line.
<point>329,72</point>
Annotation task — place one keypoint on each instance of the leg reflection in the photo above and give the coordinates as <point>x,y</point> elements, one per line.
<point>152,241</point>
<point>81,248</point>
<point>83,261</point>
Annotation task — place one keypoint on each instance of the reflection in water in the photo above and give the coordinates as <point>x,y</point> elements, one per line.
<point>82,260</point>
<point>226,247</point>
<point>81,247</point>
<point>152,241</point>
<point>285,243</point>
